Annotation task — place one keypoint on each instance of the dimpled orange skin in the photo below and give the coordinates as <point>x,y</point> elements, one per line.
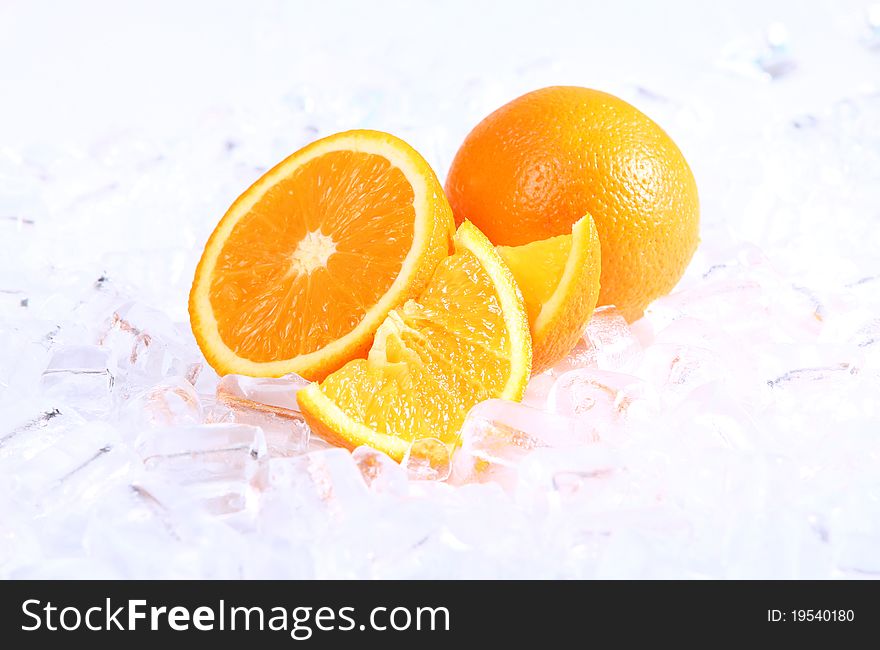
<point>536,165</point>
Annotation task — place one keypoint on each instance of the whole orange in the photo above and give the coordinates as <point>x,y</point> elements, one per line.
<point>536,165</point>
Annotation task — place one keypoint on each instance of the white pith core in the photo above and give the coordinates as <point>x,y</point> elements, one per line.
<point>312,252</point>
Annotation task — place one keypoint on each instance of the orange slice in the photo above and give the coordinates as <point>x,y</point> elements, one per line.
<point>306,264</point>
<point>559,279</point>
<point>464,339</point>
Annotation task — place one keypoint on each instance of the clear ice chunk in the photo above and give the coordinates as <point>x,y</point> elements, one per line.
<point>270,404</point>
<point>676,370</point>
<point>316,486</point>
<point>693,331</point>
<point>608,343</point>
<point>284,436</point>
<point>538,389</point>
<point>551,477</point>
<point>79,445</point>
<point>220,465</point>
<point>613,343</point>
<point>223,448</point>
<point>601,401</point>
<point>583,355</point>
<point>713,417</point>
<point>380,472</point>
<point>23,358</point>
<point>216,412</point>
<point>267,391</point>
<point>497,434</point>
<point>146,346</point>
<point>109,467</point>
<point>428,459</point>
<point>33,435</point>
<point>737,306</point>
<point>171,402</point>
<point>133,518</point>
<point>79,375</point>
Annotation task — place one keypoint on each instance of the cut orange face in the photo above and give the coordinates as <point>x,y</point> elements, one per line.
<point>307,263</point>
<point>464,339</point>
<point>559,279</point>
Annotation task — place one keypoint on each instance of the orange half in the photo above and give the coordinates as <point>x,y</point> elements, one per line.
<point>306,264</point>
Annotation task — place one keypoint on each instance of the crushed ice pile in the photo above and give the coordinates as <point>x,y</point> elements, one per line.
<point>734,431</point>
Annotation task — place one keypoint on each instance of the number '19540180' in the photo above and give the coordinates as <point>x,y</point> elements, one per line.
<point>809,615</point>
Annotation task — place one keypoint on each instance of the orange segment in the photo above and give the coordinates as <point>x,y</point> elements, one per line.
<point>559,279</point>
<point>463,340</point>
<point>306,264</point>
<point>537,268</point>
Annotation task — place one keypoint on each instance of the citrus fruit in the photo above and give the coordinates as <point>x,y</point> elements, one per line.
<point>306,264</point>
<point>464,339</point>
<point>532,168</point>
<point>559,280</point>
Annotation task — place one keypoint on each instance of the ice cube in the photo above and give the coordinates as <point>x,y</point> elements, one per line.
<point>219,465</point>
<point>737,305</point>
<point>127,337</point>
<point>206,379</point>
<point>538,389</point>
<point>807,403</point>
<point>676,370</point>
<point>171,402</point>
<point>270,404</point>
<point>146,346</point>
<point>320,484</point>
<point>610,337</point>
<point>134,519</point>
<point>222,449</point>
<point>216,412</point>
<point>284,436</point>
<point>713,416</point>
<point>600,401</point>
<point>379,471</point>
<point>76,448</point>
<point>583,355</point>
<point>694,331</point>
<point>497,434</point>
<point>97,304</point>
<point>24,354</point>
<point>139,537</point>
<point>108,468</point>
<point>427,459</point>
<point>279,393</point>
<point>28,438</point>
<point>552,477</point>
<point>79,375</point>
<point>608,343</point>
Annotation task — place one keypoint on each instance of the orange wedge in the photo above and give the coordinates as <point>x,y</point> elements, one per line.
<point>464,339</point>
<point>559,279</point>
<point>307,263</point>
